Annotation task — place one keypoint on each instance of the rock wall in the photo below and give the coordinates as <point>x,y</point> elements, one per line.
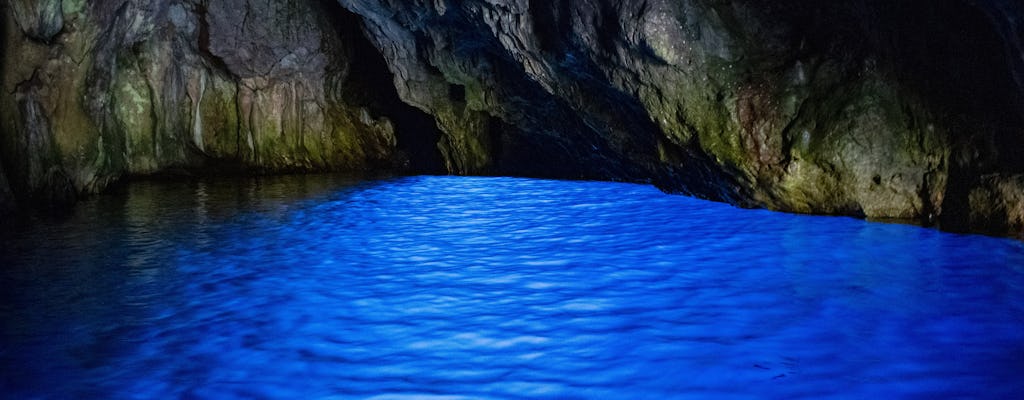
<point>7,204</point>
<point>100,90</point>
<point>853,107</point>
<point>911,110</point>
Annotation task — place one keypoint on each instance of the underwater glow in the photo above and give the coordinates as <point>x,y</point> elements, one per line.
<point>455,287</point>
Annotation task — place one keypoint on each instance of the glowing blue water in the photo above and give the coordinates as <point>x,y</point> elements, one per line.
<point>311,287</point>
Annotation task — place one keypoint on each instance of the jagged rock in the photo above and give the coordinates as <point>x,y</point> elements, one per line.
<point>997,205</point>
<point>860,107</point>
<point>789,105</point>
<point>134,87</point>
<point>38,19</point>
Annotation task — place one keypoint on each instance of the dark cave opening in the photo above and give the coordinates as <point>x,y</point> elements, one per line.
<point>457,93</point>
<point>370,83</point>
<point>381,280</point>
<point>949,53</point>
<point>6,197</point>
<point>578,91</point>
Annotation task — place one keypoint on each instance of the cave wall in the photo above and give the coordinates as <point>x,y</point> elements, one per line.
<point>104,89</point>
<point>907,110</point>
<point>869,108</point>
<point>7,204</point>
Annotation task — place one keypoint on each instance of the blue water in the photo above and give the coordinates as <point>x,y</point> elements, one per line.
<point>450,288</point>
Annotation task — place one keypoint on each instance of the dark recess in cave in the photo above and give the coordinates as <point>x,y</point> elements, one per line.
<point>3,44</point>
<point>947,52</point>
<point>204,38</point>
<point>6,199</point>
<point>370,84</point>
<point>551,23</point>
<point>3,53</point>
<point>497,136</point>
<point>457,93</point>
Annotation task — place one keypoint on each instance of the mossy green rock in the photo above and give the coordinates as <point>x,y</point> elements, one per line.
<point>845,108</point>
<point>751,102</point>
<point>998,205</point>
<point>38,19</point>
<point>102,90</point>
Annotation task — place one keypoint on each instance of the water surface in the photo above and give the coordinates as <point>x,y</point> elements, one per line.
<point>446,287</point>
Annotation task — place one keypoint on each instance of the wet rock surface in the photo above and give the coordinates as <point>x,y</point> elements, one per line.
<point>911,111</point>
<point>7,204</point>
<point>853,108</point>
<point>139,87</point>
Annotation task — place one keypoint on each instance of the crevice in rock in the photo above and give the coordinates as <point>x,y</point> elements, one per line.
<point>950,53</point>
<point>496,137</point>
<point>3,51</point>
<point>5,196</point>
<point>552,22</point>
<point>369,83</point>
<point>457,93</point>
<point>203,44</point>
<point>798,106</point>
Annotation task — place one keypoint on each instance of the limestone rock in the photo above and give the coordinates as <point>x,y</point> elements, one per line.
<point>790,105</point>
<point>101,90</point>
<point>38,19</point>
<point>997,205</point>
<point>869,108</point>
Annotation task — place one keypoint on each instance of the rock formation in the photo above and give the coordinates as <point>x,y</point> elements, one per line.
<point>909,110</point>
<point>101,90</point>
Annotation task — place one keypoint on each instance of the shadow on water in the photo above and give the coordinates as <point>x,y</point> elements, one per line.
<point>321,286</point>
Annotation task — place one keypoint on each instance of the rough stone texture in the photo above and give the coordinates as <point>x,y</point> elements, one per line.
<point>834,108</point>
<point>911,110</point>
<point>7,204</point>
<point>100,90</point>
<point>38,19</point>
<point>997,205</point>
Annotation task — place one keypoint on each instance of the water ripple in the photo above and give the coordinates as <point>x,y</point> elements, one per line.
<point>458,288</point>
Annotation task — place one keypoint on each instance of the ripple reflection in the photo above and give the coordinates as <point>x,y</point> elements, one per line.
<point>450,288</point>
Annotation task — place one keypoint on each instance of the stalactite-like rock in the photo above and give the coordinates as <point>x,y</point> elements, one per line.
<point>906,110</point>
<point>136,87</point>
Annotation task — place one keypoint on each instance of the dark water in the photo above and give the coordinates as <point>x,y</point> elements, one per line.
<point>449,288</point>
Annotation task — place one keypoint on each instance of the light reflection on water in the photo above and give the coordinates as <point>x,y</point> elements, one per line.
<point>321,287</point>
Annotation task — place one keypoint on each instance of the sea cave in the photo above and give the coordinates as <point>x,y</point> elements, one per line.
<point>503,199</point>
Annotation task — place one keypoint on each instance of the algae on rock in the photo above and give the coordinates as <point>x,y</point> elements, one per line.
<point>831,108</point>
<point>104,90</point>
<point>784,105</point>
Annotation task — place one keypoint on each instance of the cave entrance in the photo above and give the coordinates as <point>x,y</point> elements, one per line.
<point>370,84</point>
